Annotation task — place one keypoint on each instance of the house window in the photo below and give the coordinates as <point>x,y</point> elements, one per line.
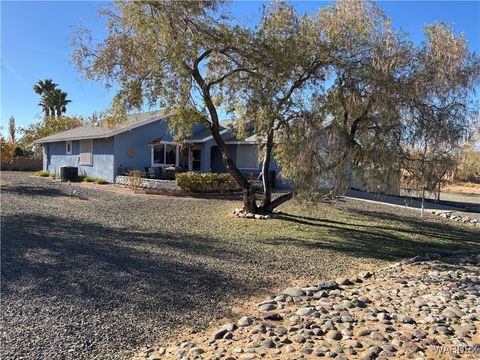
<point>247,157</point>
<point>159,154</point>
<point>196,159</point>
<point>86,152</point>
<point>68,147</point>
<point>164,154</point>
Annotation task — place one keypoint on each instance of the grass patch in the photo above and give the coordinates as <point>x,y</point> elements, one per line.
<point>356,229</point>
<point>88,179</point>
<point>101,181</point>
<point>42,173</point>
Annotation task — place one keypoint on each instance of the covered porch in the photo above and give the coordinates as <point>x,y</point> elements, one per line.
<point>182,157</point>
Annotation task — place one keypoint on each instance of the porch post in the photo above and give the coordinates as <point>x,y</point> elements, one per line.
<point>177,155</point>
<point>189,157</point>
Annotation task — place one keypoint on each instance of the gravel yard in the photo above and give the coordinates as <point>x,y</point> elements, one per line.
<point>102,275</point>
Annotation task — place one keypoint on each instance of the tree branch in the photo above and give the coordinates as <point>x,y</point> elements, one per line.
<point>278,201</point>
<point>223,77</point>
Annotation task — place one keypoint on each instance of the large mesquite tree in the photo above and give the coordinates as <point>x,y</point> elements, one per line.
<point>323,92</point>
<point>290,61</point>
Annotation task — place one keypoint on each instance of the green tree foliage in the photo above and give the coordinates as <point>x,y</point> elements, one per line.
<point>49,126</point>
<point>438,108</point>
<point>7,150</point>
<point>57,99</point>
<point>352,122</point>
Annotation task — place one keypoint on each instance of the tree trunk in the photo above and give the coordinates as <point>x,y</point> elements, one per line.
<point>249,201</point>
<point>347,168</point>
<point>267,184</point>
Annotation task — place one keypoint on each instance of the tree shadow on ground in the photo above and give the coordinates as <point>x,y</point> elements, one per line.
<point>33,191</point>
<point>395,237</point>
<point>50,247</point>
<point>139,281</point>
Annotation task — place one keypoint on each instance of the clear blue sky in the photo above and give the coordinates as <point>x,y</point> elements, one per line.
<point>35,45</point>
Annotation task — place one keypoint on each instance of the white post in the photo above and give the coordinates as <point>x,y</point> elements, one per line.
<point>422,211</point>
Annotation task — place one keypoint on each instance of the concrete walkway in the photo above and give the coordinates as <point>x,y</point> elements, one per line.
<point>473,199</point>
<point>409,203</point>
<point>399,201</point>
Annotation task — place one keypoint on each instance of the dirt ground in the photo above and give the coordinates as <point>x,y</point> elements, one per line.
<point>463,188</point>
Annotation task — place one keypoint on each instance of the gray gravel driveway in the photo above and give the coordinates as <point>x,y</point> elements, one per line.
<point>101,276</point>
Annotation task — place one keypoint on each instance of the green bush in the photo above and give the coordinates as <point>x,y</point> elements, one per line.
<point>101,181</point>
<point>194,182</point>
<point>42,173</point>
<point>88,179</point>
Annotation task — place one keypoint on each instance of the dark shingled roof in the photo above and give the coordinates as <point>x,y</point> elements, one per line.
<point>97,131</point>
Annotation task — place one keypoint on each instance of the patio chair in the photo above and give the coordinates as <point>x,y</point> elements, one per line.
<point>157,172</point>
<point>122,171</point>
<point>170,172</point>
<point>150,172</point>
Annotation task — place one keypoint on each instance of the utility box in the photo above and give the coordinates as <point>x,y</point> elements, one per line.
<point>68,173</point>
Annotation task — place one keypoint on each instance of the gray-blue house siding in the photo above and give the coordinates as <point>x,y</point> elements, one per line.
<point>103,163</point>
<point>137,140</point>
<point>131,147</point>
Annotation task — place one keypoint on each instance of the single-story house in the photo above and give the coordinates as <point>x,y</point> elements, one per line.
<point>144,141</point>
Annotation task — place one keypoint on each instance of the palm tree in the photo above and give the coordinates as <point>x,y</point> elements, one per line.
<point>45,106</point>
<point>57,99</point>
<point>43,88</point>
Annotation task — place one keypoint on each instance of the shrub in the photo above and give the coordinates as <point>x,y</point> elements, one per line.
<point>194,182</point>
<point>42,173</point>
<point>101,181</point>
<point>88,179</point>
<point>7,151</point>
<point>55,176</point>
<point>135,179</point>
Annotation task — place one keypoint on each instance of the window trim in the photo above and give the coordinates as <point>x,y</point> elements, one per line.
<point>90,163</point>
<point>67,143</point>
<point>164,163</point>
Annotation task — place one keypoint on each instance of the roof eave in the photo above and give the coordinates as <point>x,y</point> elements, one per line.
<point>103,136</point>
